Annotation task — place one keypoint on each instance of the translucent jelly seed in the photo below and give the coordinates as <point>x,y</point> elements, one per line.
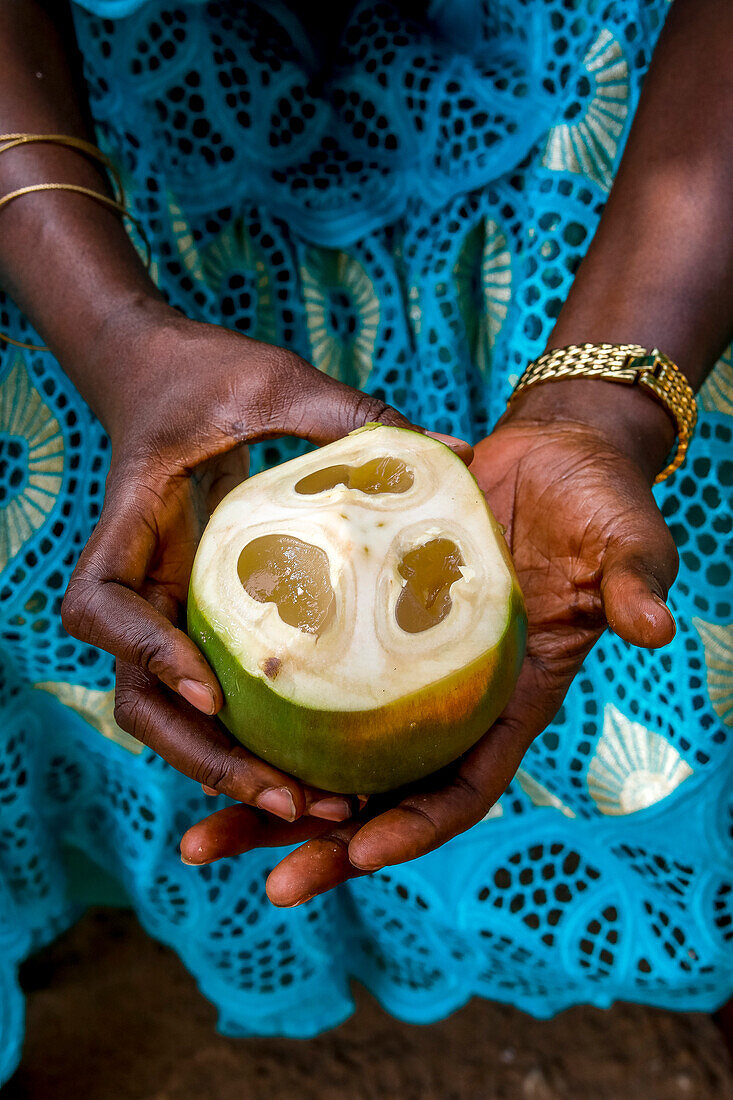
<point>380,475</point>
<point>292,574</point>
<point>429,571</point>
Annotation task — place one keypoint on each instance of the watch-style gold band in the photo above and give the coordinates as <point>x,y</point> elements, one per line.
<point>632,365</point>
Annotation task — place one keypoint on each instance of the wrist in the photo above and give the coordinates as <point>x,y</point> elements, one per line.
<point>623,416</point>
<point>115,370</point>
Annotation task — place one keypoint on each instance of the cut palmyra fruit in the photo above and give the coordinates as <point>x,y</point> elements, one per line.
<point>360,609</point>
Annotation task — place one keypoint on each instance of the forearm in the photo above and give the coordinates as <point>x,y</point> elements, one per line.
<point>65,260</point>
<point>659,271</point>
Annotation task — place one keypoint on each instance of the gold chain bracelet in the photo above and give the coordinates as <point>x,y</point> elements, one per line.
<point>118,204</point>
<point>631,365</point>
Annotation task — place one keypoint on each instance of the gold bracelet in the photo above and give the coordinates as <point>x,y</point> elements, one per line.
<point>79,145</point>
<point>118,204</point>
<point>632,365</point>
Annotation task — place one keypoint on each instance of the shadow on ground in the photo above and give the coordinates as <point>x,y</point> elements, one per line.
<point>114,1016</point>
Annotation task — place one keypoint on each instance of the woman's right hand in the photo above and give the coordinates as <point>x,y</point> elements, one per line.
<point>194,396</point>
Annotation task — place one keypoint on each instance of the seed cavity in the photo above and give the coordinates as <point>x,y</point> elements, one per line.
<point>379,475</point>
<point>292,574</point>
<point>429,571</point>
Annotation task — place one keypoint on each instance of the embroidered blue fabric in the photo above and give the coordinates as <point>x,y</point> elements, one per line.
<point>405,205</point>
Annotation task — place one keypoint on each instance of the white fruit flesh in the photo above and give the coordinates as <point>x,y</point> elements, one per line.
<point>348,583</point>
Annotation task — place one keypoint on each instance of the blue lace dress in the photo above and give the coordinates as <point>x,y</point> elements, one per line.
<point>405,204</point>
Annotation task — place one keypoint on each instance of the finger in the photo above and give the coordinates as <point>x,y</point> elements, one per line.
<point>199,747</point>
<point>327,807</point>
<point>638,571</point>
<point>316,407</point>
<point>294,398</point>
<point>320,864</point>
<point>237,829</point>
<point>103,605</point>
<point>428,818</point>
<point>330,807</point>
<point>634,607</point>
<point>317,866</point>
<point>462,449</point>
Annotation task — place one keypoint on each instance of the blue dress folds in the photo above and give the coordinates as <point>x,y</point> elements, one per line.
<point>408,215</point>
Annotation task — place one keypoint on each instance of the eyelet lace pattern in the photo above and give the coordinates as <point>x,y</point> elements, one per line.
<point>409,216</point>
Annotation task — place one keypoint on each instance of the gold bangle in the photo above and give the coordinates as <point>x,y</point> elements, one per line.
<point>631,365</point>
<point>12,141</point>
<point>79,145</point>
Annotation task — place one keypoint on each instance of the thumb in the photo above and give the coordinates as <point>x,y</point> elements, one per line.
<point>636,579</point>
<point>312,405</point>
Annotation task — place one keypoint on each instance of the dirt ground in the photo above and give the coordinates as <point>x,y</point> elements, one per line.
<point>114,1016</point>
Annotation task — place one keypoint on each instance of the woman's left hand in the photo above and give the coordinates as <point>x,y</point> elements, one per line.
<point>591,550</point>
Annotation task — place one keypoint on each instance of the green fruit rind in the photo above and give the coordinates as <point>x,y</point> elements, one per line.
<point>368,751</point>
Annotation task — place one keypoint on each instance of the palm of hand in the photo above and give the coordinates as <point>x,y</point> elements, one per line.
<point>589,546</point>
<point>181,513</point>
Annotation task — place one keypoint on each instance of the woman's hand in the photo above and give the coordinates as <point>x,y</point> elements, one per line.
<point>193,396</point>
<point>591,549</point>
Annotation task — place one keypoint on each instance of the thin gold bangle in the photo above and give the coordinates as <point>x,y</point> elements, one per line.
<point>14,141</point>
<point>117,204</point>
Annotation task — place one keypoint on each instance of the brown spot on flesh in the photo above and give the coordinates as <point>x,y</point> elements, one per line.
<point>271,666</point>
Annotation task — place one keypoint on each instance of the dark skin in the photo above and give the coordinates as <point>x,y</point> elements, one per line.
<point>568,469</point>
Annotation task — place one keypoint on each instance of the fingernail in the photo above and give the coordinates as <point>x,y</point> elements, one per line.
<point>198,695</point>
<point>363,799</point>
<point>278,801</point>
<point>189,862</point>
<point>451,441</point>
<point>332,809</point>
<point>368,868</point>
<point>300,901</point>
<point>208,790</point>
